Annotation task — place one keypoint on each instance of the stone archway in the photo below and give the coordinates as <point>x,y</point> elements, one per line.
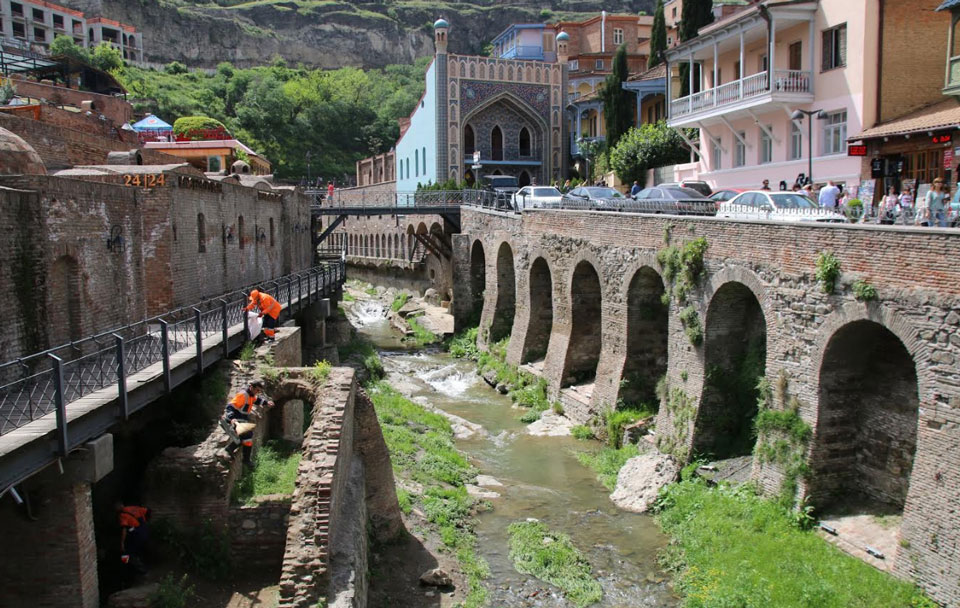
<point>866,434</point>
<point>583,349</point>
<point>478,281</point>
<point>647,339</point>
<point>502,325</point>
<point>540,324</point>
<point>735,346</point>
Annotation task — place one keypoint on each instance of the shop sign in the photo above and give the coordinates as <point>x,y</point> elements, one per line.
<point>856,150</point>
<point>948,159</point>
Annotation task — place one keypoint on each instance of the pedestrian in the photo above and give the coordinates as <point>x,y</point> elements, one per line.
<point>133,534</point>
<point>269,311</point>
<point>829,195</point>
<point>237,423</point>
<point>889,206</point>
<point>906,199</point>
<point>766,185</point>
<point>635,188</point>
<point>934,202</point>
<point>796,188</point>
<point>807,191</point>
<point>330,191</point>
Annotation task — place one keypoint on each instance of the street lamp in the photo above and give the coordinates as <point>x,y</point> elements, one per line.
<point>799,115</point>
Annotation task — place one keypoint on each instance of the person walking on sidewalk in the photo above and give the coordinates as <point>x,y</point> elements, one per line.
<point>269,311</point>
<point>237,423</point>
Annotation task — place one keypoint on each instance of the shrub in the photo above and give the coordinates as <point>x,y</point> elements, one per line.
<point>646,147</point>
<point>204,550</point>
<point>691,325</point>
<point>172,593</point>
<point>399,301</point>
<point>864,291</point>
<point>194,127</point>
<point>421,335</point>
<point>828,271</point>
<point>247,352</point>
<point>582,432</point>
<point>464,345</point>
<point>321,371</point>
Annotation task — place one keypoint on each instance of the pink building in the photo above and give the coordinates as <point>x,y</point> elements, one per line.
<point>750,71</point>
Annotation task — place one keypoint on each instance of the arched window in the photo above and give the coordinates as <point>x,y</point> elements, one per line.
<point>201,233</point>
<point>271,232</point>
<point>524,142</point>
<point>496,144</point>
<point>240,231</point>
<point>468,141</point>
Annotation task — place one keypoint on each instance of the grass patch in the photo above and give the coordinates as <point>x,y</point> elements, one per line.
<point>421,335</point>
<point>422,449</point>
<point>173,593</point>
<point>464,345</point>
<point>582,432</point>
<point>399,301</point>
<point>620,418</point>
<point>370,291</point>
<point>551,557</point>
<point>348,298</point>
<point>248,351</point>
<point>607,462</point>
<point>369,356</point>
<point>733,548</point>
<point>321,371</point>
<point>275,473</point>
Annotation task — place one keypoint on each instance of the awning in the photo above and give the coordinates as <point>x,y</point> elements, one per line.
<point>943,115</point>
<point>151,123</point>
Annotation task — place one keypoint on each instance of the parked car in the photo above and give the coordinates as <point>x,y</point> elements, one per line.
<point>598,197</point>
<point>671,199</point>
<point>777,206</point>
<point>504,186</point>
<point>700,186</point>
<point>534,197</point>
<point>722,196</point>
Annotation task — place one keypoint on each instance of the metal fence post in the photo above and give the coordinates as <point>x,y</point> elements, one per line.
<point>223,329</point>
<point>290,294</point>
<point>165,352</point>
<point>122,377</point>
<point>300,291</point>
<point>197,324</point>
<point>246,326</point>
<point>60,402</point>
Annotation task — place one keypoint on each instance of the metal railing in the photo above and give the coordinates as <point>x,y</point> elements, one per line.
<point>49,381</point>
<point>784,81</point>
<point>629,205</point>
<point>350,199</point>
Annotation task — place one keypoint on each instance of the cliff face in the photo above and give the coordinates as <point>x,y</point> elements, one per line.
<point>324,33</point>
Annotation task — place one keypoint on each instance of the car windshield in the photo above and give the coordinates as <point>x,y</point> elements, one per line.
<point>602,193</point>
<point>501,181</point>
<point>546,192</point>
<point>683,193</point>
<point>792,201</point>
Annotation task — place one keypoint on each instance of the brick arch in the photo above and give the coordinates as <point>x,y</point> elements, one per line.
<point>541,278</point>
<point>647,331</point>
<point>585,302</point>
<point>286,389</point>
<point>505,307</point>
<point>478,279</point>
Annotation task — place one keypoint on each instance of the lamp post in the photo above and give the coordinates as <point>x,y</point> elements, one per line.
<point>809,114</point>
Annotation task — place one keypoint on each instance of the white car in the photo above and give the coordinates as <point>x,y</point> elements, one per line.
<point>533,197</point>
<point>776,206</point>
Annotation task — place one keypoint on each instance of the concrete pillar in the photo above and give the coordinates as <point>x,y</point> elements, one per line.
<point>50,552</point>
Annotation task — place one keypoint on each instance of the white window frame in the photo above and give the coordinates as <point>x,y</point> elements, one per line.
<point>835,133</point>
<point>796,141</point>
<point>716,154</point>
<point>766,147</point>
<point>599,64</point>
<point>617,35</point>
<point>740,150</point>
<point>573,65</point>
<point>837,40</point>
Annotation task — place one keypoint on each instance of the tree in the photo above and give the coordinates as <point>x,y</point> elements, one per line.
<point>658,37</point>
<point>106,57</point>
<point>617,106</point>
<point>695,14</point>
<point>65,46</point>
<point>647,147</point>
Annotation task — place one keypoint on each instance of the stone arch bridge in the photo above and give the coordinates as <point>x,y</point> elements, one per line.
<point>585,303</point>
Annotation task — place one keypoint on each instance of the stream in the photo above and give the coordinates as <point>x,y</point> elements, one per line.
<point>541,479</point>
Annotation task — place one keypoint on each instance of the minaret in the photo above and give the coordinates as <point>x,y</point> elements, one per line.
<point>563,58</point>
<point>441,82</point>
<point>563,54</point>
<point>440,27</point>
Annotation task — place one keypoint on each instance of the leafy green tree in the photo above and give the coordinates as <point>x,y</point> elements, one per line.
<point>695,14</point>
<point>175,67</point>
<point>647,147</point>
<point>106,57</point>
<point>658,37</point>
<point>617,103</point>
<point>65,45</point>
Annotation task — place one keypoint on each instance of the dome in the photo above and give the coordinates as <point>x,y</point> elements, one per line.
<point>563,37</point>
<point>17,157</point>
<point>239,167</point>
<point>441,22</point>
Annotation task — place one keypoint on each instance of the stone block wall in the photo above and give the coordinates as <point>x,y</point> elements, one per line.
<point>116,109</point>
<point>818,341</point>
<point>259,531</point>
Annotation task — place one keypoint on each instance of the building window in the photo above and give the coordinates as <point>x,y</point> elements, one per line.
<point>766,146</point>
<point>213,164</point>
<point>416,163</point>
<point>716,154</point>
<point>17,9</point>
<point>19,31</point>
<point>240,231</point>
<point>423,155</point>
<point>524,142</point>
<point>496,144</point>
<point>795,56</point>
<point>796,142</point>
<point>835,132</point>
<point>762,65</point>
<point>617,35</point>
<point>201,233</point>
<point>573,65</point>
<point>469,144</point>
<point>834,48</point>
<point>271,232</point>
<point>599,64</point>
<point>673,13</point>
<point>669,40</point>
<point>740,150</point>
<point>38,15</point>
<point>39,34</point>
<point>58,21</point>
<point>736,71</point>
<point>407,171</point>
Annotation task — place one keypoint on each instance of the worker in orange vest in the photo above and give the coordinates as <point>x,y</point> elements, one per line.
<point>269,311</point>
<point>237,422</point>
<point>133,534</point>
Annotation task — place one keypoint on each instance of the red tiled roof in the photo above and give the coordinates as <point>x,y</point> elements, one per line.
<point>943,115</point>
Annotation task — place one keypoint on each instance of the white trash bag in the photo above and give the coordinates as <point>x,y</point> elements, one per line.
<point>254,325</point>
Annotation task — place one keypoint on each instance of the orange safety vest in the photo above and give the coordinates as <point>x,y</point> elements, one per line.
<point>243,402</point>
<point>267,305</point>
<point>131,517</point>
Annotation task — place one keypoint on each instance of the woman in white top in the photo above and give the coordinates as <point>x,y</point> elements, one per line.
<point>888,207</point>
<point>906,198</point>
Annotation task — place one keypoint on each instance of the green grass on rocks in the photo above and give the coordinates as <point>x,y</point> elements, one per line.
<point>551,557</point>
<point>733,548</point>
<point>275,473</point>
<point>607,462</point>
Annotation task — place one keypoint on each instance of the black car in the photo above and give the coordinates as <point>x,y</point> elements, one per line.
<point>671,199</point>
<point>504,187</point>
<point>593,197</point>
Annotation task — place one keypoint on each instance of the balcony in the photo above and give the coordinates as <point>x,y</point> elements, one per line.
<point>789,86</point>
<point>530,53</point>
<point>575,146</point>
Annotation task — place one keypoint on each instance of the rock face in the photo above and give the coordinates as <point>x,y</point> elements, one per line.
<point>326,35</point>
<point>551,424</point>
<point>641,478</point>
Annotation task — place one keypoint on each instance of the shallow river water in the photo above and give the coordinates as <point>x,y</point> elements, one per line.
<point>541,479</point>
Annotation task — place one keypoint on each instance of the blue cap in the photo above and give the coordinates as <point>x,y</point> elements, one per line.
<point>563,36</point>
<point>441,22</point>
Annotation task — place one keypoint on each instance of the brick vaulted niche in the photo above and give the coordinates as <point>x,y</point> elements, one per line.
<point>541,312</point>
<point>647,319</point>
<point>583,352</point>
<point>502,324</point>
<point>478,279</point>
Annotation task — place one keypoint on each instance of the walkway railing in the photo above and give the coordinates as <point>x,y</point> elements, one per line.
<point>49,381</point>
<point>402,201</point>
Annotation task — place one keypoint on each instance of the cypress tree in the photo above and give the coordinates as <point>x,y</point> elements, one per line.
<point>695,15</point>
<point>617,107</point>
<point>658,37</point>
